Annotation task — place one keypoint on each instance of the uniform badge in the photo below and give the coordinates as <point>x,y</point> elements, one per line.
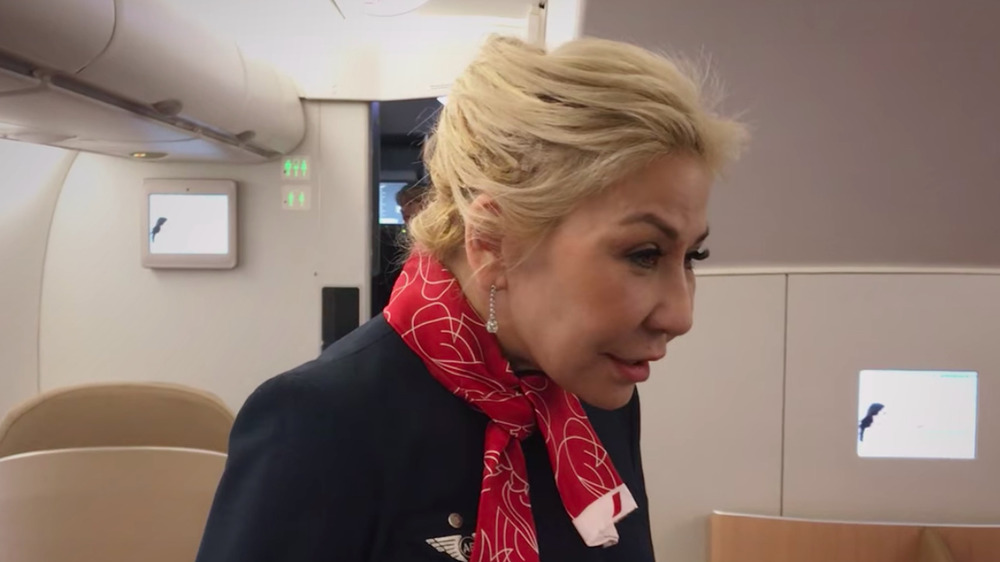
<point>456,546</point>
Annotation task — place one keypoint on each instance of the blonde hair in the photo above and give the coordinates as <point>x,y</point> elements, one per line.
<point>539,132</point>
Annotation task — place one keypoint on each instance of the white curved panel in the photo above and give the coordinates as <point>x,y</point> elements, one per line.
<point>158,54</point>
<point>29,188</point>
<point>61,34</point>
<point>272,110</point>
<point>390,8</point>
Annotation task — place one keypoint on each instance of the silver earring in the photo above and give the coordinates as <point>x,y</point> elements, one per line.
<point>491,323</point>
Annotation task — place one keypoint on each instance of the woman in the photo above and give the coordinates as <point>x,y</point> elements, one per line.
<point>491,413</point>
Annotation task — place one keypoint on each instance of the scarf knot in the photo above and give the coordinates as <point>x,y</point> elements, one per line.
<point>428,310</point>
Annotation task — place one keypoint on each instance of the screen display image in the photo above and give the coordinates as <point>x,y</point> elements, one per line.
<point>388,211</point>
<point>917,414</point>
<point>190,224</point>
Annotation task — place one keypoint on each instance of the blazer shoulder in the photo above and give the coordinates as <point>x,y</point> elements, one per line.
<point>349,379</point>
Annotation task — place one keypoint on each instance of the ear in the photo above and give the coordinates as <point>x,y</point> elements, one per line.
<point>483,250</point>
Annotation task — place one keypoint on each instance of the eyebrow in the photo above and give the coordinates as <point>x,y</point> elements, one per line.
<point>668,230</point>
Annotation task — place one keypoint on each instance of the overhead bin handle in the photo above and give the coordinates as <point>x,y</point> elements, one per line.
<point>170,108</point>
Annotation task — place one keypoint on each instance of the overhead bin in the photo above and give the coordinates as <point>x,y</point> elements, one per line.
<point>63,35</point>
<point>158,55</point>
<point>272,110</point>
<point>149,76</point>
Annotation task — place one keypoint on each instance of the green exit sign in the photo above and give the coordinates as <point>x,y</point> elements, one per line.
<point>296,168</point>
<point>296,197</point>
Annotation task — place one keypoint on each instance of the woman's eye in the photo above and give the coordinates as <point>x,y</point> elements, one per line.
<point>695,255</point>
<point>646,259</point>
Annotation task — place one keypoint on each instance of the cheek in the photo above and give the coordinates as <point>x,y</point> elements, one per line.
<point>554,317</point>
<point>577,304</point>
<point>571,325</point>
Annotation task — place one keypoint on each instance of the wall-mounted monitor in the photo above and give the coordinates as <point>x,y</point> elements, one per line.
<point>189,224</point>
<point>917,414</point>
<point>388,211</point>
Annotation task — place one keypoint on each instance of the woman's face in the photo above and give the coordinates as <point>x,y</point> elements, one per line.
<point>606,290</point>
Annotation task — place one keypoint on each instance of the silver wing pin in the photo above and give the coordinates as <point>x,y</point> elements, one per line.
<point>456,546</point>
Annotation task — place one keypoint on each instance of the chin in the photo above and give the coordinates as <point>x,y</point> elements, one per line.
<point>609,399</point>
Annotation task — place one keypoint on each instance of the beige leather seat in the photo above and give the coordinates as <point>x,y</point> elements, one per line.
<point>118,504</point>
<point>117,414</point>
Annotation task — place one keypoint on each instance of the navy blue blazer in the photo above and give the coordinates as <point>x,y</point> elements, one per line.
<point>361,456</point>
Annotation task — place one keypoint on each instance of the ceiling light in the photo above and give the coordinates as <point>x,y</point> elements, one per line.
<point>148,155</point>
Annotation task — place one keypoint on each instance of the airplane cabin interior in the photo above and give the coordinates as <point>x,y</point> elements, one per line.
<point>198,195</point>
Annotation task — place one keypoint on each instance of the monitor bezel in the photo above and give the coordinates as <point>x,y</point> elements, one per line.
<point>161,186</point>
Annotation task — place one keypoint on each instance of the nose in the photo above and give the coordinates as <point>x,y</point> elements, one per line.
<point>673,312</point>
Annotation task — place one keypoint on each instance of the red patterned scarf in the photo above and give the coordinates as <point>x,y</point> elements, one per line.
<point>430,312</point>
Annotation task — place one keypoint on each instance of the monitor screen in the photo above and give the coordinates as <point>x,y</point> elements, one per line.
<point>388,211</point>
<point>191,223</point>
<point>917,414</point>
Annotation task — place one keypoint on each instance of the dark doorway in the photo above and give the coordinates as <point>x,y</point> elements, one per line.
<point>401,127</point>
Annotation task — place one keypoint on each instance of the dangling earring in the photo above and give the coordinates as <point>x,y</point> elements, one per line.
<point>491,323</point>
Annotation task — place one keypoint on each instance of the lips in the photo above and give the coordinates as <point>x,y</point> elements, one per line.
<point>632,371</point>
